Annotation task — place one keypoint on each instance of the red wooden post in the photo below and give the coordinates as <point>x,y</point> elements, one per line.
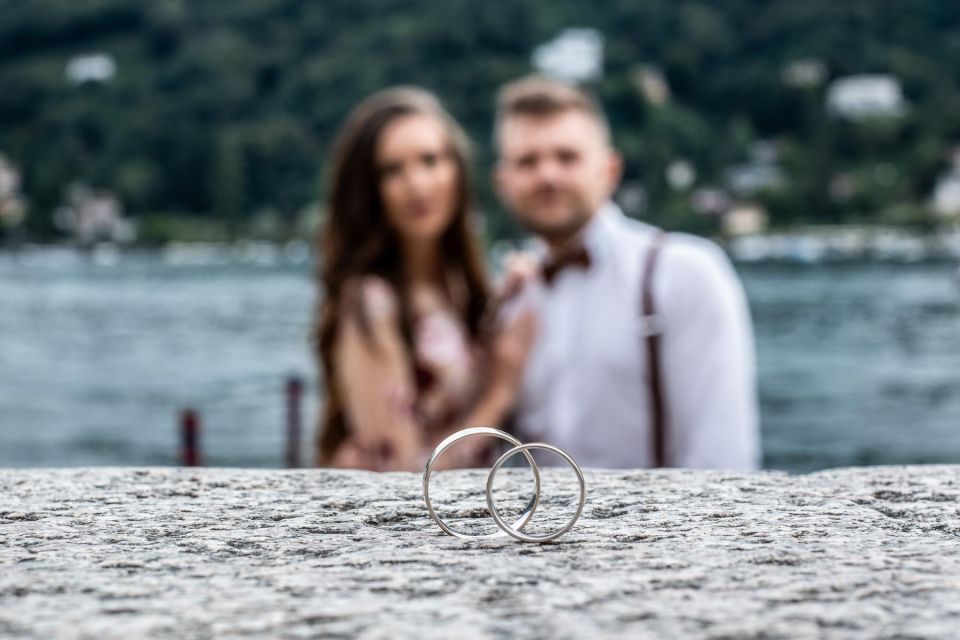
<point>190,438</point>
<point>294,393</point>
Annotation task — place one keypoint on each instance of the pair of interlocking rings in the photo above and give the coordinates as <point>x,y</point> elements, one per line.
<point>514,530</point>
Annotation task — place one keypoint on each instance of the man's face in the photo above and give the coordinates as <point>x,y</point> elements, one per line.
<point>555,171</point>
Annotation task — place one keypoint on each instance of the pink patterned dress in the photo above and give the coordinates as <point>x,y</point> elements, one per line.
<point>400,401</point>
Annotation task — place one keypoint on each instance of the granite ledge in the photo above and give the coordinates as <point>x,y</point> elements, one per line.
<point>237,553</point>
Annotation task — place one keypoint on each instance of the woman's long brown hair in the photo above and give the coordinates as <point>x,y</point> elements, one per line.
<point>358,241</point>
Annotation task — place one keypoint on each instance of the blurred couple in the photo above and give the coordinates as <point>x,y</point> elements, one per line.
<point>623,345</point>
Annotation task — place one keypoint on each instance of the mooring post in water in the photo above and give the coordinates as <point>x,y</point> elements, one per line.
<point>190,438</point>
<point>294,393</point>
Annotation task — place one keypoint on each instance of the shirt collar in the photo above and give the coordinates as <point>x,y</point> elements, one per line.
<point>594,235</point>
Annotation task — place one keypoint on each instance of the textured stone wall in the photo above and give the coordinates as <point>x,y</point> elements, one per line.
<point>183,553</point>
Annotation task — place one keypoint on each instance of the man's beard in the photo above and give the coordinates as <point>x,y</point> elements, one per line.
<point>557,233</point>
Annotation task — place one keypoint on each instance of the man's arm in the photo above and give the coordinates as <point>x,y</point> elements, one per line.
<point>707,359</point>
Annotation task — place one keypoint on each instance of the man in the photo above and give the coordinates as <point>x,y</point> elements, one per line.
<point>644,353</point>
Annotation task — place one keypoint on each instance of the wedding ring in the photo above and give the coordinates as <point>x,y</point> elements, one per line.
<point>484,431</point>
<point>515,531</point>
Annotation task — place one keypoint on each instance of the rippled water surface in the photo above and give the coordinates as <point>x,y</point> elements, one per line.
<point>859,363</point>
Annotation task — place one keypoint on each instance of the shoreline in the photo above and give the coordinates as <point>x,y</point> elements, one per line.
<point>802,245</point>
<point>811,245</point>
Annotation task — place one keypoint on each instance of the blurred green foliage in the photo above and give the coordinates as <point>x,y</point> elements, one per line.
<point>222,109</point>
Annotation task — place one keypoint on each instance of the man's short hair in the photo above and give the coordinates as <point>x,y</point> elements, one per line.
<point>538,96</point>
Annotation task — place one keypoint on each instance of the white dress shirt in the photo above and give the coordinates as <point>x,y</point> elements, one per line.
<point>585,387</point>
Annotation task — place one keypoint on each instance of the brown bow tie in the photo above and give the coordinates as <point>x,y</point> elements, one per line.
<point>576,256</point>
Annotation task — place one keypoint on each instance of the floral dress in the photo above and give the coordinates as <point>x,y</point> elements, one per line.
<point>399,401</point>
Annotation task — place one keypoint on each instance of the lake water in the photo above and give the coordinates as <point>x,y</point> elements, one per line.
<point>859,363</point>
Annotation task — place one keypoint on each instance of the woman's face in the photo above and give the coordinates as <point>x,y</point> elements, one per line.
<point>418,176</point>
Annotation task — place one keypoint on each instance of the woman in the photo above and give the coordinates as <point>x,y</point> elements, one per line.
<point>401,329</point>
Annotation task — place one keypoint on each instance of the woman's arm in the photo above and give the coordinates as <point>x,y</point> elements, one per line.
<point>372,374</point>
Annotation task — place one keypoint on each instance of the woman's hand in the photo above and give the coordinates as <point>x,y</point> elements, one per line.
<point>519,269</point>
<point>509,349</point>
<point>382,455</point>
<point>515,326</point>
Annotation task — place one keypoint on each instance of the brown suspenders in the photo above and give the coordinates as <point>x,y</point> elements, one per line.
<point>651,327</point>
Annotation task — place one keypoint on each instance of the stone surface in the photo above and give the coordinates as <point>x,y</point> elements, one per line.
<point>183,553</point>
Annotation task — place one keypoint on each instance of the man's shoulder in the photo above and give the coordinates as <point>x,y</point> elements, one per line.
<point>694,252</point>
<point>697,270</point>
<point>681,250</point>
<point>635,229</point>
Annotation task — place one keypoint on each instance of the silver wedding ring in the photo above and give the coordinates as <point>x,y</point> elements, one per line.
<point>448,442</point>
<point>516,529</point>
<point>516,532</point>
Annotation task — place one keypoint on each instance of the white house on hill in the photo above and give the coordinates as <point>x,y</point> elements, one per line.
<point>866,96</point>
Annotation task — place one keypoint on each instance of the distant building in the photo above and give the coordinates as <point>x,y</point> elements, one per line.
<point>576,55</point>
<point>751,178</point>
<point>866,96</point>
<point>97,67</point>
<point>94,216</point>
<point>761,172</point>
<point>764,152</point>
<point>946,196</point>
<point>680,175</point>
<point>842,187</point>
<point>945,199</point>
<point>650,82</point>
<point>745,219</point>
<point>9,178</point>
<point>710,201</point>
<point>13,206</point>
<point>807,72</point>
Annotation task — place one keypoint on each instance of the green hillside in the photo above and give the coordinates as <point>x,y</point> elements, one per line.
<point>221,110</point>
